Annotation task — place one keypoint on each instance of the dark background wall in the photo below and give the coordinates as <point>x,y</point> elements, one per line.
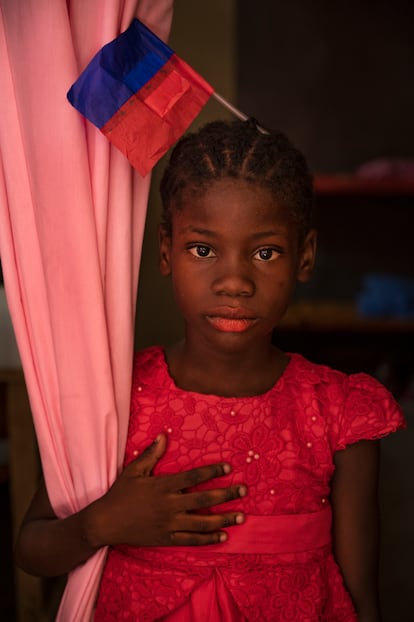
<point>336,76</point>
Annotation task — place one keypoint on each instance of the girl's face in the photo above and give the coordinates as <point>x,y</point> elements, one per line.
<point>234,258</point>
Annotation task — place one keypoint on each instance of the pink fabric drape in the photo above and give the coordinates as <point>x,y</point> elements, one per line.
<point>71,223</point>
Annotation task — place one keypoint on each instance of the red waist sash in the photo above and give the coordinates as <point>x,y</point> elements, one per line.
<point>274,535</point>
<point>289,533</point>
<point>286,533</point>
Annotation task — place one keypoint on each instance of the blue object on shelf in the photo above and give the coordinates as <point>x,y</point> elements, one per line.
<point>386,296</point>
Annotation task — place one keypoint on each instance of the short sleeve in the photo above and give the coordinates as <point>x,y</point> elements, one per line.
<point>369,412</point>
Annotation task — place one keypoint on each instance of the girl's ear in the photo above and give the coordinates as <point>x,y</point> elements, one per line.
<point>307,259</point>
<point>164,241</point>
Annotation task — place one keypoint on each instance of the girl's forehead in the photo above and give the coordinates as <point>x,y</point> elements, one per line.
<point>229,197</point>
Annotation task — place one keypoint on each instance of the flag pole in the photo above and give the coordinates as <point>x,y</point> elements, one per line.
<point>238,113</point>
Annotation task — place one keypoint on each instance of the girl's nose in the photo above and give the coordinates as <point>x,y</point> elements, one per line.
<point>233,282</point>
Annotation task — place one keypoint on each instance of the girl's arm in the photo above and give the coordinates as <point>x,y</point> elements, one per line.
<point>356,524</point>
<point>139,510</point>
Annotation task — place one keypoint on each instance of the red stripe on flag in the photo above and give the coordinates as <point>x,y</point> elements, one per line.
<point>153,119</point>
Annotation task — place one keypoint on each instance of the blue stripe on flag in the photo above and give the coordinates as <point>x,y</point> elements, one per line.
<point>120,69</point>
<point>143,72</point>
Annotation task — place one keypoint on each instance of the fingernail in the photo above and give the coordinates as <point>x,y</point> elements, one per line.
<point>226,468</point>
<point>242,491</point>
<point>223,537</point>
<point>239,519</point>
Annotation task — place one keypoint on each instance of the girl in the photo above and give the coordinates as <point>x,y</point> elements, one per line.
<point>294,531</point>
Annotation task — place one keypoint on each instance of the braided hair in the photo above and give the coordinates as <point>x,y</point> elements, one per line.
<point>238,150</point>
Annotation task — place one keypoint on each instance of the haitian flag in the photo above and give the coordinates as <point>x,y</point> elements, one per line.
<point>140,94</point>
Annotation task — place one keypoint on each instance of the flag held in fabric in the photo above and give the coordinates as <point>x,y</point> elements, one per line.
<point>140,94</point>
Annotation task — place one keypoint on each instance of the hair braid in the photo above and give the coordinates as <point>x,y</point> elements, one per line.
<point>238,150</point>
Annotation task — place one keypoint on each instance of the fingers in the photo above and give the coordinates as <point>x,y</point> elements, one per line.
<point>185,538</point>
<point>203,524</point>
<point>187,479</point>
<point>207,498</point>
<point>199,530</point>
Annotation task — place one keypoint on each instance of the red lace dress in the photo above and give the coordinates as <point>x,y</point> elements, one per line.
<point>278,565</point>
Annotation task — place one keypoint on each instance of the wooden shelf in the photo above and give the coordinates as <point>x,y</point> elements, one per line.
<point>331,316</point>
<point>351,185</point>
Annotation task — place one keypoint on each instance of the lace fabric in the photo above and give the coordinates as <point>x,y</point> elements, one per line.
<point>280,444</point>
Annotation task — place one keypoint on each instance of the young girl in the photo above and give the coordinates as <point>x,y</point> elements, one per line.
<point>292,523</point>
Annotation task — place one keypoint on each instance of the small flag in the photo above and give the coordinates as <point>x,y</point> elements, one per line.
<point>140,94</point>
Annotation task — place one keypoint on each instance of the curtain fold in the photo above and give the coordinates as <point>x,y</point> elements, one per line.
<point>72,215</point>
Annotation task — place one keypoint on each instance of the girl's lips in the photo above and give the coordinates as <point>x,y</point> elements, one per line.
<point>231,324</point>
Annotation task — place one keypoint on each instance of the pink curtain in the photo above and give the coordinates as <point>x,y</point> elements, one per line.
<point>71,223</point>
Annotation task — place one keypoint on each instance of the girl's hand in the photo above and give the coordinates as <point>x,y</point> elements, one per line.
<point>145,510</point>
<point>140,509</point>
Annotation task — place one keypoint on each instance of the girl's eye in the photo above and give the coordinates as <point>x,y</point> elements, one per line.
<point>266,254</point>
<point>201,251</point>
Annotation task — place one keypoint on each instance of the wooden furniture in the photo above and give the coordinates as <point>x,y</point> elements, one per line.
<point>364,226</point>
<point>35,599</point>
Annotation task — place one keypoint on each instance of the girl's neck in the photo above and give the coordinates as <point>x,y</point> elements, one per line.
<point>225,374</point>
